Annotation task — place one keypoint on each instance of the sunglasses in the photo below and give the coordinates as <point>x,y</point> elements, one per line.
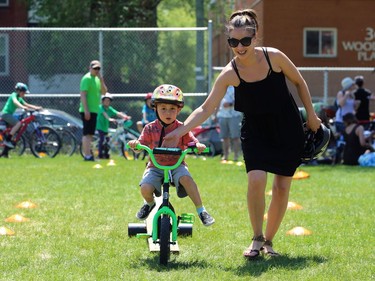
<point>96,68</point>
<point>233,42</point>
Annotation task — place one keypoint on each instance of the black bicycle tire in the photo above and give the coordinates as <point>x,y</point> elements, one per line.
<point>95,152</point>
<point>50,132</point>
<point>164,241</point>
<point>19,148</point>
<point>68,141</point>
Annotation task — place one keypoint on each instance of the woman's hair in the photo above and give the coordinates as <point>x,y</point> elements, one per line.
<point>243,18</point>
<point>349,118</point>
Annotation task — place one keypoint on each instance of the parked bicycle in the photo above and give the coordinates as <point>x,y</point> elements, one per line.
<point>116,141</point>
<point>68,140</point>
<point>43,140</point>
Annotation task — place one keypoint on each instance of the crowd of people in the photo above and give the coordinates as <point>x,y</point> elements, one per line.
<point>351,120</point>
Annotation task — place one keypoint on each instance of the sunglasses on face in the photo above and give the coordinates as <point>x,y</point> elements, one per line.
<point>233,42</point>
<point>96,68</point>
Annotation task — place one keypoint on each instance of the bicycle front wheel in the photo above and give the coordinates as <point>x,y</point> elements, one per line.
<point>165,235</point>
<point>44,142</point>
<point>69,143</point>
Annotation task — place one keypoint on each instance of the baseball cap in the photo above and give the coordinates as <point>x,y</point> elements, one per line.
<point>346,83</point>
<point>358,78</point>
<point>95,63</point>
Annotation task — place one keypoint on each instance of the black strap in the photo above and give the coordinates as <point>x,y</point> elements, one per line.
<point>268,60</point>
<point>162,135</point>
<point>236,70</point>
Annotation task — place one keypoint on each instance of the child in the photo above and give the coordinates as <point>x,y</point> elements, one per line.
<point>106,114</point>
<point>148,113</point>
<point>168,101</point>
<point>16,100</point>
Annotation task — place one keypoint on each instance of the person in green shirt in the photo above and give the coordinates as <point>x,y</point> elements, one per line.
<point>92,86</point>
<point>105,116</point>
<point>16,100</point>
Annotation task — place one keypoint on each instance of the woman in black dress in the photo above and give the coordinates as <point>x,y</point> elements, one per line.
<point>272,132</point>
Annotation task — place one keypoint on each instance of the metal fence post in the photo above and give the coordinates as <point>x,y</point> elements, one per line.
<point>209,59</point>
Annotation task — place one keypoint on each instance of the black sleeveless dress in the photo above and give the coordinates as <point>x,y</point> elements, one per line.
<point>272,134</point>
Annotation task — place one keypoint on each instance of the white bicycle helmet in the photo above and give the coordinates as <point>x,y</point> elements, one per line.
<point>108,96</point>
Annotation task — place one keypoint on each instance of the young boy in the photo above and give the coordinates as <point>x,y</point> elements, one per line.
<point>15,100</point>
<point>106,114</point>
<point>148,113</point>
<point>168,101</point>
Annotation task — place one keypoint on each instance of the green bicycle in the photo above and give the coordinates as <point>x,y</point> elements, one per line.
<point>166,225</point>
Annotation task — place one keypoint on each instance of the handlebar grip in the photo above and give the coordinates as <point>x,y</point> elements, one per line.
<point>167,150</point>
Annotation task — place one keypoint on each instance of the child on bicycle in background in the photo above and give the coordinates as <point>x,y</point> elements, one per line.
<point>15,100</point>
<point>168,101</point>
<point>105,116</point>
<point>148,113</point>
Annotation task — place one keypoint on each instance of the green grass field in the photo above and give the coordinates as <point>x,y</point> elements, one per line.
<point>79,230</point>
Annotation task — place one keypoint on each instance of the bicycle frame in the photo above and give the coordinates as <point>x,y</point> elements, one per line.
<point>24,124</point>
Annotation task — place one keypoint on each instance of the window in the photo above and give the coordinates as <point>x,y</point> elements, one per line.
<point>4,54</point>
<point>4,3</point>
<point>320,42</point>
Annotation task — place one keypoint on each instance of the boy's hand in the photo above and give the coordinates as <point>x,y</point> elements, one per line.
<point>133,144</point>
<point>200,147</point>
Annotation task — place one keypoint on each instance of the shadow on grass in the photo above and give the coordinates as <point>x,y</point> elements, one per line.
<point>152,263</point>
<point>261,265</point>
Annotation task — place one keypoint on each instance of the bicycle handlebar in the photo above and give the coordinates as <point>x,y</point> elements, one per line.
<point>169,151</point>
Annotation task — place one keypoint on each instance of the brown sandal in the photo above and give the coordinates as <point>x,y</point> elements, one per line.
<point>252,252</point>
<point>268,250</point>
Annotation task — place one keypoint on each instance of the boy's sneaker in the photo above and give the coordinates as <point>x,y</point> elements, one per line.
<point>89,158</point>
<point>144,211</point>
<point>8,143</point>
<point>206,219</point>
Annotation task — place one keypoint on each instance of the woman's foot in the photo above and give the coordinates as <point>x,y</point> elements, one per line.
<point>268,250</point>
<point>254,249</point>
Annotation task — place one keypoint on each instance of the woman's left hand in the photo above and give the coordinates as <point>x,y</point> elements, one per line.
<point>313,123</point>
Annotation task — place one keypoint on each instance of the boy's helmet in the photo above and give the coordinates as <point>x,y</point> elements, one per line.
<point>315,143</point>
<point>22,87</point>
<point>168,94</point>
<point>108,96</point>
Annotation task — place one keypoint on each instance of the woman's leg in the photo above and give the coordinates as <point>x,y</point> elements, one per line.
<point>257,181</point>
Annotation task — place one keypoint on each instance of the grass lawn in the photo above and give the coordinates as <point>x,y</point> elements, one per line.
<point>79,230</point>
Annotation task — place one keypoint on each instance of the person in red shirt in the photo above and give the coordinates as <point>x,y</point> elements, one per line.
<point>168,101</point>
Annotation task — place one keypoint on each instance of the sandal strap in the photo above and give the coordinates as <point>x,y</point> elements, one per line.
<point>259,238</point>
<point>268,243</point>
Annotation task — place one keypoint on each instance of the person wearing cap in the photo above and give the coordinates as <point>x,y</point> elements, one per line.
<point>148,113</point>
<point>15,100</point>
<point>105,116</point>
<point>363,95</point>
<point>92,86</point>
<point>346,102</point>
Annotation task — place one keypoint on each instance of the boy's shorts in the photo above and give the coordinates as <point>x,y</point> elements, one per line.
<point>155,176</point>
<point>10,119</point>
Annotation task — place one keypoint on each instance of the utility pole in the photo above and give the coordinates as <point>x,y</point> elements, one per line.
<point>200,51</point>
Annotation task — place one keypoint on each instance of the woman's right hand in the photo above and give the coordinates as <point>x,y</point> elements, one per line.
<point>171,139</point>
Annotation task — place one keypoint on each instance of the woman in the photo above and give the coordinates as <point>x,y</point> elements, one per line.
<point>355,140</point>
<point>272,134</point>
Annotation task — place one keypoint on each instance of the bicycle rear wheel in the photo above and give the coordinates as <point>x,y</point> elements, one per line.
<point>18,150</point>
<point>165,234</point>
<point>45,141</point>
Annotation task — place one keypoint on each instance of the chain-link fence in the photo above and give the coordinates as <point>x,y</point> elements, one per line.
<point>134,61</point>
<point>52,62</point>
